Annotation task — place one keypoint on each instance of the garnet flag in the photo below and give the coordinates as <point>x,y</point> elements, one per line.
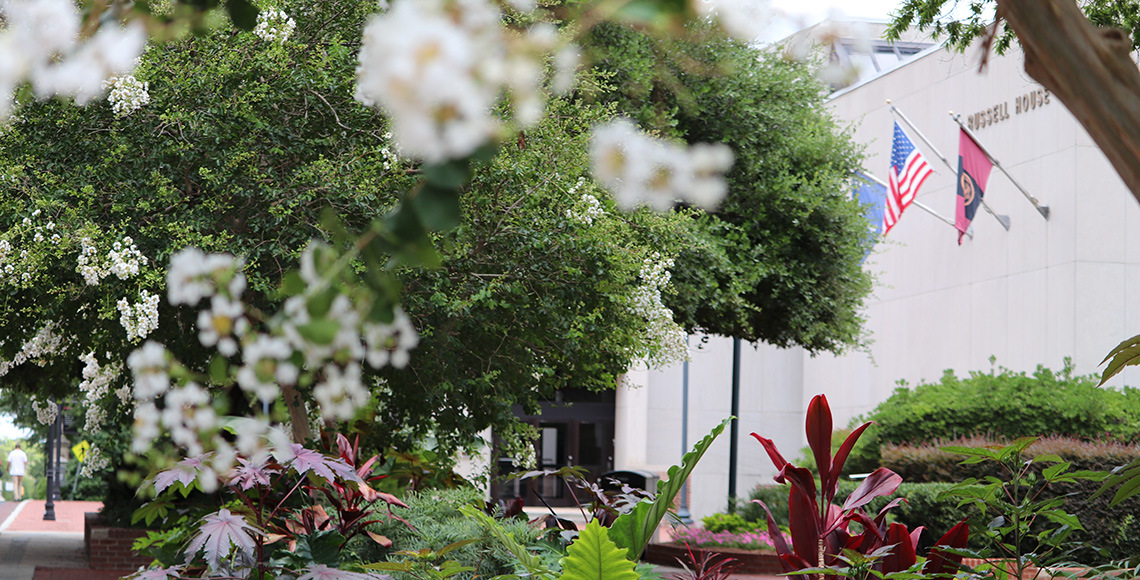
<point>973,172</point>
<point>908,170</point>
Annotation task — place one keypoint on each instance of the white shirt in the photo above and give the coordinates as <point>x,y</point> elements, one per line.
<point>17,459</point>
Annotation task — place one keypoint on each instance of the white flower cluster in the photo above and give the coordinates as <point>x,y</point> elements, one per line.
<point>46,411</point>
<point>93,463</point>
<point>124,260</point>
<point>141,318</point>
<point>40,45</point>
<point>187,413</point>
<point>151,372</point>
<point>666,336</point>
<point>274,25</point>
<point>268,359</point>
<point>96,382</point>
<point>591,209</point>
<point>437,68</point>
<point>44,344</point>
<point>639,169</point>
<point>194,275</point>
<point>127,95</point>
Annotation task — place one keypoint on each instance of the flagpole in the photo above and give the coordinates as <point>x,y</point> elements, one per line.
<point>919,204</point>
<point>1001,218</point>
<point>1041,209</point>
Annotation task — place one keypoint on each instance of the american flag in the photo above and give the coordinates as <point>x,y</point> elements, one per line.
<point>908,170</point>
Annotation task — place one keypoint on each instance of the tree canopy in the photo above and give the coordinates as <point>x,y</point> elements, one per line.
<point>243,144</point>
<point>780,260</point>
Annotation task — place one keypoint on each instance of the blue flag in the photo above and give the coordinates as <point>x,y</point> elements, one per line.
<point>873,196</point>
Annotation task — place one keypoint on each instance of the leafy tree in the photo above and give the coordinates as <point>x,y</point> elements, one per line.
<point>781,259</point>
<point>244,142</point>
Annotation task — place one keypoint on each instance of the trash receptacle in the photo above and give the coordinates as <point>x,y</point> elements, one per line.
<point>633,478</point>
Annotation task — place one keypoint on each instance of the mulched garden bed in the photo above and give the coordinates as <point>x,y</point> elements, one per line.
<point>752,561</point>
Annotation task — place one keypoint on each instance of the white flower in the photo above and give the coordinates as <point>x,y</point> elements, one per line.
<point>149,366</point>
<point>274,25</point>
<point>341,393</point>
<point>223,321</point>
<point>639,169</point>
<point>194,275</point>
<point>266,366</point>
<point>390,343</point>
<point>746,20</point>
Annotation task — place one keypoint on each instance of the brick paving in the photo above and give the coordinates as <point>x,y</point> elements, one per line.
<point>34,549</point>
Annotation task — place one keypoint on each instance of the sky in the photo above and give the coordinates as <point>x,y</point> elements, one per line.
<point>793,15</point>
<point>9,431</point>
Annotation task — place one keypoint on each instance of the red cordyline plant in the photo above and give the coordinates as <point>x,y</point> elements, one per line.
<point>820,532</point>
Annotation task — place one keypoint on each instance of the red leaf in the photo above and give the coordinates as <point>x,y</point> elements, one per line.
<point>840,458</point>
<point>774,532</point>
<point>941,562</point>
<point>818,427</point>
<point>803,521</point>
<point>774,454</point>
<point>882,517</point>
<point>881,482</point>
<point>902,556</point>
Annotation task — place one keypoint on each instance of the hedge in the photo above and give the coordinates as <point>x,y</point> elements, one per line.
<point>1003,404</point>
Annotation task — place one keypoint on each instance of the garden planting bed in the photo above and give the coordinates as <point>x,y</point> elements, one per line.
<point>751,561</point>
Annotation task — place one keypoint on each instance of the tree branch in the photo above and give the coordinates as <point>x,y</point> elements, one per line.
<point>1089,69</point>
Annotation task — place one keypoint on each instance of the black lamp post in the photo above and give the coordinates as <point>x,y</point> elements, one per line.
<point>50,470</point>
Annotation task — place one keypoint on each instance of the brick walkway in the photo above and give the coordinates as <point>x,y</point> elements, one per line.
<point>34,549</point>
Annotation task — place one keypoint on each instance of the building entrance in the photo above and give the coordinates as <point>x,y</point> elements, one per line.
<point>576,429</point>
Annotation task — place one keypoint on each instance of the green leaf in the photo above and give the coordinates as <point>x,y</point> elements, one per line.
<point>390,566</point>
<point>334,225</point>
<point>528,560</point>
<point>321,331</point>
<point>321,547</point>
<point>448,176</point>
<point>243,13</point>
<point>593,556</point>
<point>633,530</point>
<point>219,370</point>
<point>1125,354</point>
<point>439,207</point>
<point>319,304</point>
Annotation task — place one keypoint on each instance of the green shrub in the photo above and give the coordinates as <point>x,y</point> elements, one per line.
<point>732,523</point>
<point>1003,404</point>
<point>434,521</point>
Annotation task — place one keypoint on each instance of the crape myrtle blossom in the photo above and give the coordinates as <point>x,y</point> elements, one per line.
<point>127,94</point>
<point>639,169</point>
<point>141,318</point>
<point>438,67</point>
<point>321,335</point>
<point>41,45</point>
<point>667,337</point>
<point>274,25</point>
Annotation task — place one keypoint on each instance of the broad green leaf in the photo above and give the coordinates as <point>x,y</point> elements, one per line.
<point>243,13</point>
<point>1053,471</point>
<point>593,556</point>
<point>1125,354</point>
<point>321,331</point>
<point>633,530</point>
<point>438,207</point>
<point>219,370</point>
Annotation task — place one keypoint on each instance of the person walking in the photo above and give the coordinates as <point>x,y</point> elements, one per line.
<point>17,461</point>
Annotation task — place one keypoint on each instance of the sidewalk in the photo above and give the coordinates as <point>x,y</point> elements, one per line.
<point>34,549</point>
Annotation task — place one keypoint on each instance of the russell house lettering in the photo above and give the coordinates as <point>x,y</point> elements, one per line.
<point>1000,112</point>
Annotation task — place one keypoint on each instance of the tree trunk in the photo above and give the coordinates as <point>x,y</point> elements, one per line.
<point>1089,69</point>
<point>298,415</point>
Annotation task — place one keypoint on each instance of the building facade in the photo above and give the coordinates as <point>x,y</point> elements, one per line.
<point>1033,295</point>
